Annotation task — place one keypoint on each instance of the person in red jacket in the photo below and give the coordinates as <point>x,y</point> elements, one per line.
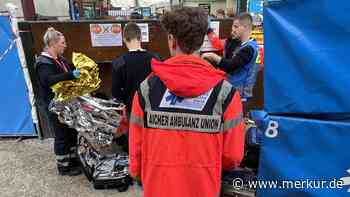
<point>186,119</point>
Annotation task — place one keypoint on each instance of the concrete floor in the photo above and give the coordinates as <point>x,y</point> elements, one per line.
<point>27,169</point>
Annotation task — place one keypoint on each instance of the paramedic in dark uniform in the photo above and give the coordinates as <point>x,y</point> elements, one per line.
<point>52,68</point>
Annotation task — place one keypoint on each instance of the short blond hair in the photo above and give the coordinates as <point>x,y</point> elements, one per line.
<point>51,35</point>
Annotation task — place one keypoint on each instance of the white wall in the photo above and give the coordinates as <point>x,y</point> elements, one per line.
<point>176,2</point>
<point>16,2</point>
<point>165,5</point>
<point>131,3</point>
<point>56,8</point>
<point>146,3</point>
<point>219,4</point>
<point>123,3</point>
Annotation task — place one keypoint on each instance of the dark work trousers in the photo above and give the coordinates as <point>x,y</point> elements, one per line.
<point>65,142</point>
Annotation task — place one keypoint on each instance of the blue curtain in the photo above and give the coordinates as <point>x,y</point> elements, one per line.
<point>15,109</point>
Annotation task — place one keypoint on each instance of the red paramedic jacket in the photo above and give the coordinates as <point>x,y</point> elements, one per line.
<point>176,162</point>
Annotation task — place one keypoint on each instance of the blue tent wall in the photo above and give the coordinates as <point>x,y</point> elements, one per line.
<point>305,150</point>
<point>15,109</point>
<point>307,56</point>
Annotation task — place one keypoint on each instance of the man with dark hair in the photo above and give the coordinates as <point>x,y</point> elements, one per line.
<point>220,14</point>
<point>132,32</point>
<point>240,54</point>
<point>130,69</point>
<point>186,120</point>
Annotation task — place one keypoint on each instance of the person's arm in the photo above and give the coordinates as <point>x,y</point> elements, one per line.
<point>135,137</point>
<point>242,58</point>
<point>156,56</point>
<point>215,40</point>
<point>48,74</point>
<point>233,145</point>
<point>118,80</point>
<point>231,44</point>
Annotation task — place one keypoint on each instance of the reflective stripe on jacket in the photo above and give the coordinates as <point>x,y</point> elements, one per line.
<point>178,146</point>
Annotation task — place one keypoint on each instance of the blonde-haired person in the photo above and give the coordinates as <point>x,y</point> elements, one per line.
<point>52,68</point>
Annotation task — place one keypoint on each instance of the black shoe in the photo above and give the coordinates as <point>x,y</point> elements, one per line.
<point>75,163</point>
<point>74,171</point>
<point>69,171</point>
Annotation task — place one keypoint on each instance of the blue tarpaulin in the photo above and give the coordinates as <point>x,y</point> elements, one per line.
<point>307,56</point>
<point>301,153</point>
<point>15,109</point>
<point>306,125</point>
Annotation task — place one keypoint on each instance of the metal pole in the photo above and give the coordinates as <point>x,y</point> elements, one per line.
<point>28,9</point>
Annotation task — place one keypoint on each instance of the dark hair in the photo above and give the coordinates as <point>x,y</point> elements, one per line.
<point>188,26</point>
<point>245,19</point>
<point>230,15</point>
<point>132,31</point>
<point>220,11</point>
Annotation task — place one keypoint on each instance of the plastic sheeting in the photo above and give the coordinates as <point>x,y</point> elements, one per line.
<point>15,113</point>
<point>307,56</point>
<point>304,150</point>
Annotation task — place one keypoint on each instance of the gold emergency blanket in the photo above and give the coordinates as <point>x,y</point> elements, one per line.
<point>86,83</point>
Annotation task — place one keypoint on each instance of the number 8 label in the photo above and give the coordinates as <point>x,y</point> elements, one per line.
<point>271,131</point>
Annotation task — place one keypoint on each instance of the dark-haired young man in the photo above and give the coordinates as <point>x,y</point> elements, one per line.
<point>186,120</point>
